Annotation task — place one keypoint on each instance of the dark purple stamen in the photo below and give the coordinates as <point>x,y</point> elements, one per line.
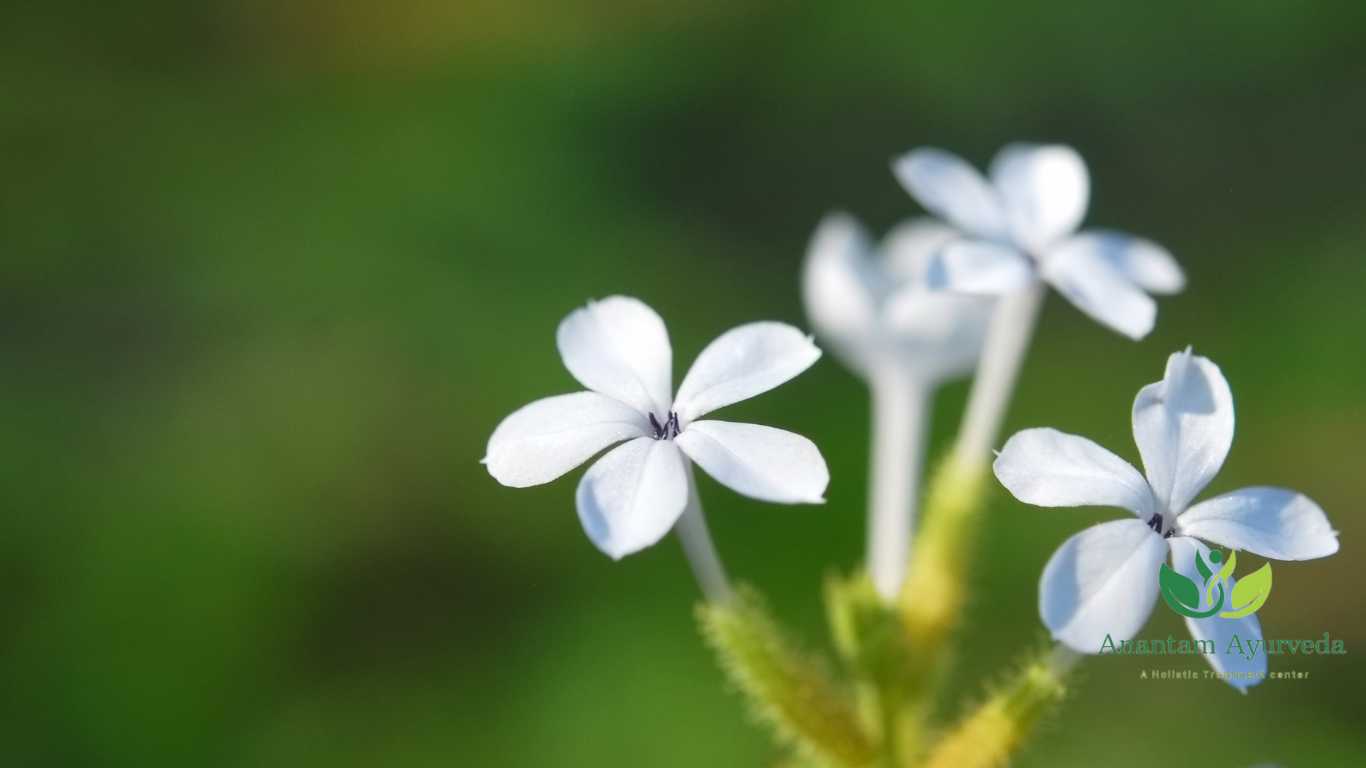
<point>1155,523</point>
<point>668,430</point>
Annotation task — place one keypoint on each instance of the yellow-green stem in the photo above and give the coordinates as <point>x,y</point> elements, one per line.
<point>788,687</point>
<point>933,598</point>
<point>993,733</point>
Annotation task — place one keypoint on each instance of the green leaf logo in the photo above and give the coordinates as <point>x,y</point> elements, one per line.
<point>1200,566</point>
<point>1182,594</point>
<point>1224,572</point>
<point>1249,593</point>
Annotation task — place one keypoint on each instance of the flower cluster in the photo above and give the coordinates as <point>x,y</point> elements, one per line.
<point>934,300</point>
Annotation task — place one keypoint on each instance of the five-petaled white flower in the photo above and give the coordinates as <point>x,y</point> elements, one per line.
<point>630,498</point>
<point>1104,580</point>
<point>873,305</point>
<point>1021,226</point>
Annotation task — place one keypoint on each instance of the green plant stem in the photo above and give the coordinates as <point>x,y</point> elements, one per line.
<point>992,734</point>
<point>789,689</point>
<point>933,600</point>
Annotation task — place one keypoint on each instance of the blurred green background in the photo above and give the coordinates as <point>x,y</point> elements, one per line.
<point>272,272</point>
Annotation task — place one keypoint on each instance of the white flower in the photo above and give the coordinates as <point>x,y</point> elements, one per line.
<point>873,306</point>
<point>630,498</point>
<point>1104,580</point>
<point>1021,226</point>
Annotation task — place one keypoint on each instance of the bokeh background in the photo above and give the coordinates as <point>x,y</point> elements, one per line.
<point>272,272</point>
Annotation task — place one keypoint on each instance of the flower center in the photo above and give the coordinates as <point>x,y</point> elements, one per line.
<point>1155,522</point>
<point>666,431</point>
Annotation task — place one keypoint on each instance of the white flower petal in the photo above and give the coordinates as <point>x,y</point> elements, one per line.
<point>947,186</point>
<point>840,288</point>
<point>757,461</point>
<point>940,330</point>
<point>1145,263</point>
<point>909,247</point>
<point>1243,672</point>
<point>1271,522</point>
<point>1095,287</point>
<point>1044,189</point>
<point>1183,426</point>
<point>1049,468</point>
<point>976,266</point>
<point>633,496</point>
<point>545,439</point>
<point>940,333</point>
<point>618,346</point>
<point>742,363</point>
<point>1102,581</point>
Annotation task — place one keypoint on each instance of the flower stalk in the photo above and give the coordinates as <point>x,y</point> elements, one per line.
<point>930,605</point>
<point>900,424</point>
<point>993,733</point>
<point>698,547</point>
<point>1008,337</point>
<point>787,687</point>
<point>933,599</point>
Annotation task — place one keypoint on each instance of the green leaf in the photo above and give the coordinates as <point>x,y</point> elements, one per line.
<point>1249,593</point>
<point>1201,567</point>
<point>1224,573</point>
<point>787,688</point>
<point>1179,591</point>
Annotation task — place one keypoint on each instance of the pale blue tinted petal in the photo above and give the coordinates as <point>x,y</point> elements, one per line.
<point>980,267</point>
<point>632,497</point>
<point>545,439</point>
<point>1044,189</point>
<point>908,247</point>
<point>742,363</point>
<point>618,346</point>
<point>841,289</point>
<point>1183,426</point>
<point>1145,263</point>
<point>1095,287</point>
<point>1101,583</point>
<point>1049,468</point>
<point>1243,663</point>
<point>1271,522</point>
<point>760,462</point>
<point>947,186</point>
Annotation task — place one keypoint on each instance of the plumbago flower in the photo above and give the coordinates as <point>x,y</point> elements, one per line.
<point>1020,227</point>
<point>874,307</point>
<point>630,498</point>
<point>1103,582</point>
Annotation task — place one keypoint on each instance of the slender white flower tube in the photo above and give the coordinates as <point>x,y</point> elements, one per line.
<point>1007,341</point>
<point>699,549</point>
<point>640,490</point>
<point>1103,582</point>
<point>1019,233</point>
<point>871,306</point>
